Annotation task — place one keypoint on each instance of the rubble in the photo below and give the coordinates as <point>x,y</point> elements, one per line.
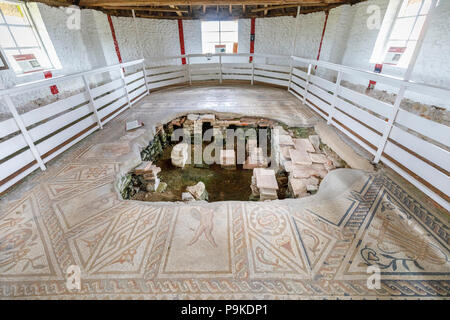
<point>315,141</point>
<point>149,175</point>
<point>318,158</point>
<point>186,196</point>
<point>198,191</point>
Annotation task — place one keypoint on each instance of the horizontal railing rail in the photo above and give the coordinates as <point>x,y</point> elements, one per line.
<point>415,147</point>
<point>30,139</point>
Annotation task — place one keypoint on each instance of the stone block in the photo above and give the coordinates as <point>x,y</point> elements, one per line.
<point>318,158</point>
<point>143,167</point>
<point>297,187</point>
<point>186,196</point>
<point>265,178</point>
<point>315,141</point>
<point>198,191</point>
<point>300,157</point>
<point>303,144</point>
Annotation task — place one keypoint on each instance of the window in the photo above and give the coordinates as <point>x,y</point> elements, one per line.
<point>405,32</point>
<point>20,41</point>
<point>219,33</point>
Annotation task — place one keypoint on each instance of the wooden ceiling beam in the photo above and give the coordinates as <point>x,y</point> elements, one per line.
<point>153,9</point>
<point>178,12</point>
<point>290,6</point>
<point>100,3</point>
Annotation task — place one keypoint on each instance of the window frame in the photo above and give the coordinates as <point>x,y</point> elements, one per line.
<point>409,39</point>
<point>220,32</point>
<point>31,25</point>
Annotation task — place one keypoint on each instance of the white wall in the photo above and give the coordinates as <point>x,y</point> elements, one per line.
<point>347,41</point>
<point>78,50</point>
<point>156,37</point>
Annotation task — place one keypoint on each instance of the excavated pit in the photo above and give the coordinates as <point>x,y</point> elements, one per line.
<point>158,179</point>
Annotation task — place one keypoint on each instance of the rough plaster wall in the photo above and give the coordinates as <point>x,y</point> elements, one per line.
<point>77,50</point>
<point>157,38</point>
<point>273,35</point>
<point>361,40</point>
<point>244,26</point>
<point>192,36</point>
<point>309,33</point>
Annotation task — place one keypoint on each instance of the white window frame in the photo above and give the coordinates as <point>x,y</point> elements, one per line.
<point>220,32</point>
<point>379,52</point>
<point>38,38</point>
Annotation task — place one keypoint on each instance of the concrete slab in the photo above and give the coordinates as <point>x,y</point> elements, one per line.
<point>329,137</point>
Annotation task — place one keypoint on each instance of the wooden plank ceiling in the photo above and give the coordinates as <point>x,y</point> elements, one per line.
<point>208,10</point>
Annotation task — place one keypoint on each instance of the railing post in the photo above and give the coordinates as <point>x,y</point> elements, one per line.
<point>335,95</point>
<point>122,75</point>
<point>91,101</point>
<point>189,70</point>
<point>307,83</point>
<point>290,73</point>
<point>23,129</point>
<point>145,77</point>
<point>390,123</point>
<point>220,68</point>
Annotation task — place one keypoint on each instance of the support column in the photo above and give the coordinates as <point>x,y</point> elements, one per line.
<point>116,44</point>
<point>323,34</point>
<point>252,38</point>
<point>181,35</point>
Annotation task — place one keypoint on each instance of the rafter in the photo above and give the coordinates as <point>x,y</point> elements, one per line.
<point>153,9</point>
<point>97,3</point>
<point>210,10</point>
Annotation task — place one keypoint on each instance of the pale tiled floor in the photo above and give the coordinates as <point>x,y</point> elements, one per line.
<point>316,247</point>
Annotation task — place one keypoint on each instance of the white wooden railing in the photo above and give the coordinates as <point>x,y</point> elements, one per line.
<point>415,147</point>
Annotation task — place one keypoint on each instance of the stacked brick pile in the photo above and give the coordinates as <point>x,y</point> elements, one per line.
<point>264,184</point>
<point>305,162</point>
<point>148,174</point>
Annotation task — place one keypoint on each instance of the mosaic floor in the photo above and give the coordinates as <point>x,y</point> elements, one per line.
<point>311,248</point>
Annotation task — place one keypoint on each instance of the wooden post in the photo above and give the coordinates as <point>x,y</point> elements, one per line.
<point>307,83</point>
<point>189,70</point>
<point>336,92</point>
<point>220,68</point>
<point>24,131</point>
<point>122,75</point>
<point>390,123</point>
<point>91,101</point>
<point>294,40</point>
<point>145,77</point>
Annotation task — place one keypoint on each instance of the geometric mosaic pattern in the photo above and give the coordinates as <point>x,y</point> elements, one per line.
<point>227,250</point>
